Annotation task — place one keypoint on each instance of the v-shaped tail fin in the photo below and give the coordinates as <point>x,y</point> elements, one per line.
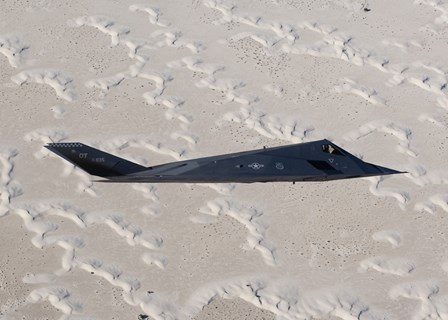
<point>94,161</point>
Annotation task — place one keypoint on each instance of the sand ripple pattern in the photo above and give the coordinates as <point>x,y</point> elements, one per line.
<point>159,82</point>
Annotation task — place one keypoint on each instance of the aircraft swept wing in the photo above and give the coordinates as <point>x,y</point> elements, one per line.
<point>311,161</point>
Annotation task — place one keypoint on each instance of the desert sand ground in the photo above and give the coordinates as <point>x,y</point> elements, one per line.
<point>157,81</point>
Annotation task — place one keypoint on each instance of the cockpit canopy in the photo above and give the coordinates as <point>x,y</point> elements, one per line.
<point>328,148</point>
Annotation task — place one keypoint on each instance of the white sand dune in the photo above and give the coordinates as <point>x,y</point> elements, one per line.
<point>427,293</point>
<point>352,86</point>
<point>271,126</point>
<point>105,25</point>
<point>153,14</point>
<point>438,200</point>
<point>395,266</point>
<point>59,297</point>
<point>401,196</point>
<point>250,218</point>
<point>9,188</point>
<point>58,80</point>
<point>13,48</point>
<point>402,134</point>
<point>287,302</point>
<point>391,236</point>
<point>165,81</point>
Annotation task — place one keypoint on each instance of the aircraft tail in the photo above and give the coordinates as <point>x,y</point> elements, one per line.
<point>94,161</point>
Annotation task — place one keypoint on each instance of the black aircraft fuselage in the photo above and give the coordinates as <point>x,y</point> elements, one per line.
<point>312,161</point>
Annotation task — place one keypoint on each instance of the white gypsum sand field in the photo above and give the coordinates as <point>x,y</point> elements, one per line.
<point>157,81</point>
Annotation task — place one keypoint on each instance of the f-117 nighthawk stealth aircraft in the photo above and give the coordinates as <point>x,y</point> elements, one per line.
<point>312,161</point>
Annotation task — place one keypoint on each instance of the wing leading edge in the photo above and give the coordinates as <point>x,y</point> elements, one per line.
<point>312,161</point>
